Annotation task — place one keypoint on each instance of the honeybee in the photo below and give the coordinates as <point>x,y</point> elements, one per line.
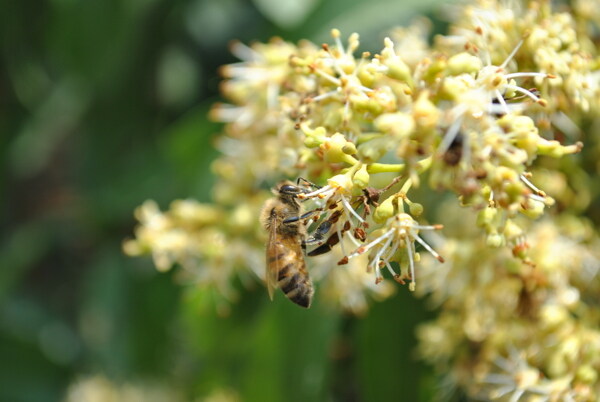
<point>286,268</point>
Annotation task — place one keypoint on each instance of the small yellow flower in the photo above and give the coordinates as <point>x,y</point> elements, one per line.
<point>400,232</point>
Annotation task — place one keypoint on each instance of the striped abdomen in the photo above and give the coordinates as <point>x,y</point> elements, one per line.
<point>287,261</point>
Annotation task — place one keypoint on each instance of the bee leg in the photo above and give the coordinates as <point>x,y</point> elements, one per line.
<point>319,234</point>
<point>317,238</point>
<point>309,183</point>
<point>326,247</point>
<point>306,215</point>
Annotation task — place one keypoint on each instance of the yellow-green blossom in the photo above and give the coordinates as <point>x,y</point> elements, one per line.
<point>475,117</point>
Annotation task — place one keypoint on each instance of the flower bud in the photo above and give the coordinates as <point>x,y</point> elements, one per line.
<point>372,151</point>
<point>512,230</point>
<point>375,103</point>
<point>523,130</point>
<point>435,68</point>
<point>520,251</point>
<point>361,177</point>
<point>349,148</point>
<point>495,240</point>
<point>311,142</point>
<point>586,374</point>
<point>342,182</point>
<point>463,63</point>
<point>313,138</point>
<point>514,191</point>
<point>397,69</point>
<point>554,149</point>
<point>385,210</point>
<point>532,209</point>
<point>337,117</point>
<point>486,217</point>
<point>367,76</point>
<point>425,113</point>
<point>332,148</point>
<point>415,208</point>
<point>399,124</point>
<point>454,87</point>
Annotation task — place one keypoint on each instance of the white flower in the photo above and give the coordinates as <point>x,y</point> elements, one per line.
<point>400,231</point>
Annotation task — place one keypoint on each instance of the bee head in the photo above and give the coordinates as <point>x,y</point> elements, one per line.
<point>288,188</point>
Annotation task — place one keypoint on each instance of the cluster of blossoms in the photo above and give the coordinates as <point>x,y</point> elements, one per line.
<point>467,116</point>
<point>514,331</point>
<point>178,235</point>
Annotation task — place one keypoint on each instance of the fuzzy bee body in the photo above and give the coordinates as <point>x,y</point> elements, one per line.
<point>286,267</point>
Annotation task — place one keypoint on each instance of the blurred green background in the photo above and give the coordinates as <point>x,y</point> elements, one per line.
<point>103,104</point>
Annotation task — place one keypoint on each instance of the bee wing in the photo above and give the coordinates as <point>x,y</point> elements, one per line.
<point>274,249</point>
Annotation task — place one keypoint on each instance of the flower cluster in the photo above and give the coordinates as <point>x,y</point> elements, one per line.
<point>482,114</point>
<point>176,236</point>
<point>527,331</point>
<point>457,116</point>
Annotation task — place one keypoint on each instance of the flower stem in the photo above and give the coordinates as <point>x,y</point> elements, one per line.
<point>386,168</point>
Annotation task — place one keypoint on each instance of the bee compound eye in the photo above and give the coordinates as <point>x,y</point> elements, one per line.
<point>289,189</point>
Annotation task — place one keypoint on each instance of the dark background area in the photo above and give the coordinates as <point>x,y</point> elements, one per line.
<point>103,104</point>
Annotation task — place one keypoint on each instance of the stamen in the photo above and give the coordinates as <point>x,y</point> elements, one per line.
<point>339,233</point>
<point>339,70</point>
<point>466,148</point>
<point>329,77</point>
<point>500,392</point>
<point>244,52</point>
<point>512,54</point>
<point>428,248</point>
<point>363,88</point>
<point>529,74</point>
<point>316,192</point>
<point>451,134</point>
<point>348,218</point>
<point>511,107</point>
<point>228,113</point>
<point>390,269</point>
<point>392,251</point>
<point>488,58</point>
<point>356,242</point>
<point>346,113</point>
<point>326,95</point>
<point>427,227</point>
<point>532,186</point>
<point>349,208</point>
<point>565,124</point>
<point>363,249</point>
<point>538,198</point>
<point>495,378</point>
<point>410,251</point>
<point>383,249</point>
<point>503,363</point>
<point>517,395</point>
<point>501,101</point>
<point>338,42</point>
<point>524,91</point>
<point>378,276</point>
<point>248,72</point>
